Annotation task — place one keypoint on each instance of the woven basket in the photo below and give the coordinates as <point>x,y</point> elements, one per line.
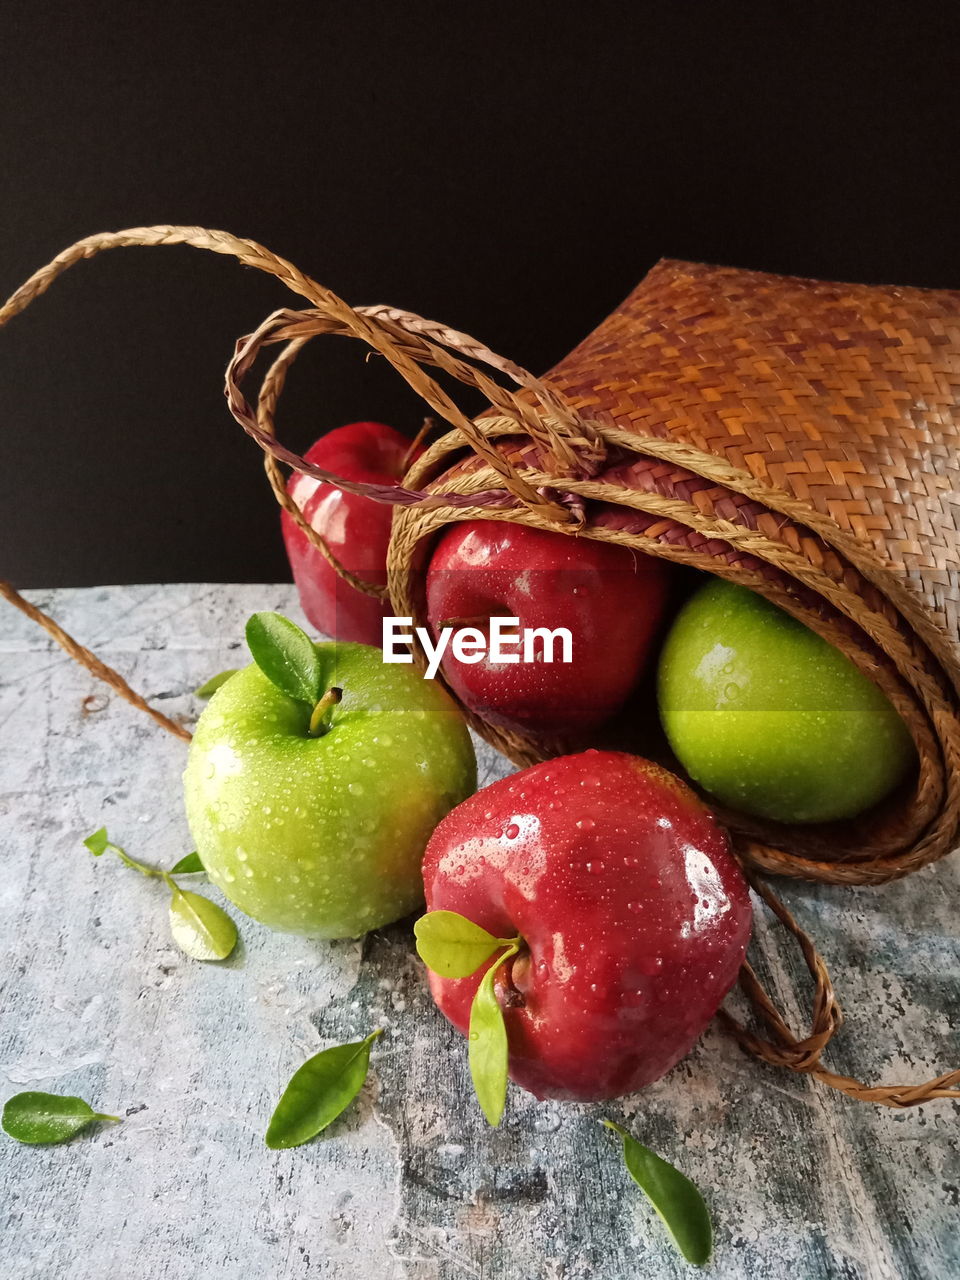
<point>790,435</point>
<point>794,436</point>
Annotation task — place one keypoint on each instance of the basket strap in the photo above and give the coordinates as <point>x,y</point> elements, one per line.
<point>91,662</point>
<point>803,1053</point>
<point>404,351</point>
<point>398,336</point>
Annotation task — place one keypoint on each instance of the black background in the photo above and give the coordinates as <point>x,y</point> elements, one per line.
<point>512,170</point>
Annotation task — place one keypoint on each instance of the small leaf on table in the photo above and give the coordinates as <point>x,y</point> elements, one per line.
<point>48,1118</point>
<point>453,946</point>
<point>675,1198</point>
<point>190,865</point>
<point>210,687</point>
<point>286,656</point>
<point>318,1092</point>
<point>200,928</point>
<point>97,843</point>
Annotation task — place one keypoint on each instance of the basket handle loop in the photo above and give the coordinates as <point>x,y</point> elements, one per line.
<point>803,1053</point>
<point>573,446</point>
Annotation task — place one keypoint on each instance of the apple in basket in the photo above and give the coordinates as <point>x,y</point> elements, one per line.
<point>766,715</point>
<point>355,528</point>
<point>627,915</point>
<point>610,600</point>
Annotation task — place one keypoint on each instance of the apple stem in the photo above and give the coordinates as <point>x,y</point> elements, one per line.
<point>415,443</point>
<point>321,712</point>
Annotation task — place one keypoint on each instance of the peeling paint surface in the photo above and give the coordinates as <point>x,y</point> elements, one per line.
<point>409,1184</point>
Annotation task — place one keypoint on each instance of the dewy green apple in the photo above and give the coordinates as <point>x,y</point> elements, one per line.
<point>320,830</point>
<point>770,718</point>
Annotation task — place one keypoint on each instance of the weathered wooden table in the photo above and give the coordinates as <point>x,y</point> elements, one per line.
<point>95,1000</point>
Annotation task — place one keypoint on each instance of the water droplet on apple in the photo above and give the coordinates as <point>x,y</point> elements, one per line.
<point>586,824</point>
<point>512,831</point>
<point>635,907</point>
<point>229,877</point>
<point>241,855</point>
<point>368,763</point>
<point>631,862</point>
<point>267,811</point>
<point>731,691</point>
<point>595,868</point>
<point>248,872</point>
<point>355,788</point>
<point>474,1035</point>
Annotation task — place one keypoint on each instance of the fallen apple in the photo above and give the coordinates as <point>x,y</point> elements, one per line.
<point>610,599</point>
<point>766,715</point>
<point>632,914</point>
<point>355,528</point>
<point>311,808</point>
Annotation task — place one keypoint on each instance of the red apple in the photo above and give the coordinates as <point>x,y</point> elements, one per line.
<point>634,915</point>
<point>610,599</point>
<point>356,529</point>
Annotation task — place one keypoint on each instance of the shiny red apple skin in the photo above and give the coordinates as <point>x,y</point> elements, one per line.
<point>611,599</point>
<point>634,912</point>
<point>356,529</point>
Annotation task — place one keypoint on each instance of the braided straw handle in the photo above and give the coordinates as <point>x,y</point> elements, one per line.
<point>574,450</point>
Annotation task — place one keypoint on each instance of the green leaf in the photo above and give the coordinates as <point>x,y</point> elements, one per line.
<point>190,865</point>
<point>47,1117</point>
<point>675,1198</point>
<point>318,1092</point>
<point>200,928</point>
<point>285,655</point>
<point>98,842</point>
<point>208,689</point>
<point>488,1045</point>
<point>453,946</point>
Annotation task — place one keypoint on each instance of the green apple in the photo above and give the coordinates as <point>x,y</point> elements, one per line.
<point>770,718</point>
<point>323,834</point>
